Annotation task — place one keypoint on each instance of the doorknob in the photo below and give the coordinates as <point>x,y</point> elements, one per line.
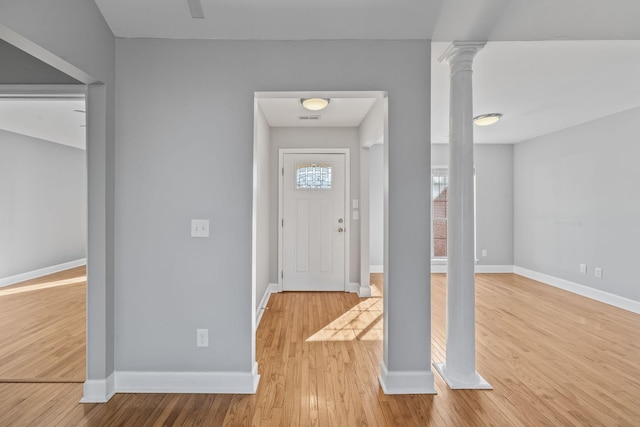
<point>340,230</point>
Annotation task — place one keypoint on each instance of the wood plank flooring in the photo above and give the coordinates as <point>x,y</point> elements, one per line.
<point>43,328</point>
<point>553,358</point>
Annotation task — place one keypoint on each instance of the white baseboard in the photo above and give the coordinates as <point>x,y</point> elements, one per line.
<point>442,268</point>
<point>353,287</point>
<point>376,269</point>
<point>188,382</point>
<point>99,391</point>
<point>364,291</point>
<point>406,382</point>
<point>11,280</point>
<point>494,268</point>
<point>273,288</point>
<point>585,291</point>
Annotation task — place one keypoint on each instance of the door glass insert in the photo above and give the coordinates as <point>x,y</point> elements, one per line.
<point>313,176</point>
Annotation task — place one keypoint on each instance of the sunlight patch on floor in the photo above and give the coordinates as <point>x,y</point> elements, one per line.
<point>46,285</point>
<point>363,322</point>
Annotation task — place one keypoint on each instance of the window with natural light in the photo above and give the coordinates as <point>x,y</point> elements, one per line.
<point>440,211</point>
<point>439,191</point>
<point>313,176</point>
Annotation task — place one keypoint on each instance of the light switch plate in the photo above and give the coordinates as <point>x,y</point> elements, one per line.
<point>199,228</point>
<point>356,215</point>
<point>202,337</point>
<point>355,203</point>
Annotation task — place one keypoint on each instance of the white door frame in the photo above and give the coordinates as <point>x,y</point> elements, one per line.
<point>347,195</point>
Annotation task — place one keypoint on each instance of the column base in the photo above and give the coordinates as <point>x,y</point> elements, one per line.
<point>478,384</point>
<point>406,382</point>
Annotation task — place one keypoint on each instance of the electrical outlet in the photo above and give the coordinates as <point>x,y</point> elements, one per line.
<point>598,272</point>
<point>484,252</point>
<point>202,337</point>
<point>583,268</point>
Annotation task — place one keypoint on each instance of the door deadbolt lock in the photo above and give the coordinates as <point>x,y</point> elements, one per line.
<point>340,221</point>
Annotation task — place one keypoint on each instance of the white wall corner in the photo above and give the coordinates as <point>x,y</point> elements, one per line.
<point>99,391</point>
<point>273,288</point>
<point>376,269</point>
<point>188,382</point>
<point>585,291</point>
<point>406,382</point>
<point>353,287</point>
<point>11,280</point>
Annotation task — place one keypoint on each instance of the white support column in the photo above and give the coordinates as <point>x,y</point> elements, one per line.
<point>459,371</point>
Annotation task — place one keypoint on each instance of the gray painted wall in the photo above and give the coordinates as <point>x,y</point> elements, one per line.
<point>577,200</point>
<point>494,200</point>
<point>343,137</point>
<point>185,150</point>
<point>43,209</point>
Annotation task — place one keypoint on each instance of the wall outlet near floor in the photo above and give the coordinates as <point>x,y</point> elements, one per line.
<point>484,252</point>
<point>202,337</point>
<point>598,272</point>
<point>583,268</point>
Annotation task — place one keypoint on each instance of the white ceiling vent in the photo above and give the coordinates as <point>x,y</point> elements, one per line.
<point>314,117</point>
<point>195,7</point>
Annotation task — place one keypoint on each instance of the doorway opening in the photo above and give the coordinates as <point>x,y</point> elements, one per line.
<point>44,223</point>
<point>349,127</point>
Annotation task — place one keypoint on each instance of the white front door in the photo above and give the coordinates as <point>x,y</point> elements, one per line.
<point>314,222</point>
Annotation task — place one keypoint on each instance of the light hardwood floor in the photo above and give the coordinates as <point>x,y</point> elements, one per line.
<point>43,328</point>
<point>553,358</point>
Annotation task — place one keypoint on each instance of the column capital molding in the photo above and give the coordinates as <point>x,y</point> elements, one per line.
<point>460,51</point>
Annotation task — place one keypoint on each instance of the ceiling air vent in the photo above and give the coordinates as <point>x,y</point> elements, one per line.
<point>316,117</point>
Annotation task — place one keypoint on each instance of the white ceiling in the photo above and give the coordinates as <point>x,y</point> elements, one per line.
<point>341,111</point>
<point>541,87</point>
<point>51,118</point>
<point>540,68</point>
<point>439,20</point>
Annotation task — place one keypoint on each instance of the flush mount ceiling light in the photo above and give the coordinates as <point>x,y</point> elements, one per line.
<point>315,104</point>
<point>486,119</point>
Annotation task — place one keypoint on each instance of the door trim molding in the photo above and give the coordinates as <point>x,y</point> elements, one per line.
<point>347,204</point>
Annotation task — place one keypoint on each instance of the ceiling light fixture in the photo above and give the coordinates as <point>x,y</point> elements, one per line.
<point>486,119</point>
<point>315,104</point>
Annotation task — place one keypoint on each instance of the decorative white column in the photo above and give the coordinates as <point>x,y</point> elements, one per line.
<point>459,371</point>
